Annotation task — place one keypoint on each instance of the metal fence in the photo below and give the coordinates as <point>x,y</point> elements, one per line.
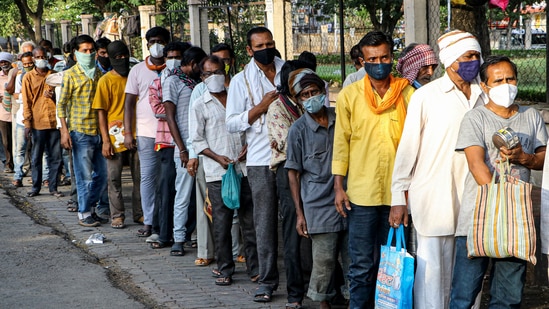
<point>175,21</point>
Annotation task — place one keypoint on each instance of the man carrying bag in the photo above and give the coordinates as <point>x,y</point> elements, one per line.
<point>523,152</point>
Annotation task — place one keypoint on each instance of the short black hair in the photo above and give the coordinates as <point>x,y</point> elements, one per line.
<point>158,31</point>
<point>256,30</point>
<point>39,48</point>
<point>83,38</point>
<point>180,46</point>
<point>309,58</point>
<point>221,47</point>
<point>68,47</point>
<point>102,43</point>
<point>45,42</point>
<point>195,54</point>
<point>287,68</point>
<point>26,54</point>
<point>376,38</point>
<point>212,59</point>
<point>492,60</point>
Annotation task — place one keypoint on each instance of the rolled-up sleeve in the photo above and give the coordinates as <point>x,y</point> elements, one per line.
<point>237,102</point>
<point>198,133</point>
<point>66,93</point>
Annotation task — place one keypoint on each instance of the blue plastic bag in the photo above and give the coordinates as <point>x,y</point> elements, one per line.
<point>395,278</point>
<point>230,188</point>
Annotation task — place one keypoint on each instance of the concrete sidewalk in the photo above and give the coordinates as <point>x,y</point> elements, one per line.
<point>163,281</point>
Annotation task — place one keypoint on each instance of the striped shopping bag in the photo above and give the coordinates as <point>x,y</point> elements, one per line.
<point>503,220</point>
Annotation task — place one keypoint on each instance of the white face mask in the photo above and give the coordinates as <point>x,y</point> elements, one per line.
<point>215,83</point>
<point>41,63</point>
<point>503,95</point>
<point>156,50</point>
<point>171,64</point>
<point>48,54</point>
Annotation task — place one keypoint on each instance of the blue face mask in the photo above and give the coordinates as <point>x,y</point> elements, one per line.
<point>378,71</point>
<point>314,104</point>
<point>416,84</point>
<point>468,70</point>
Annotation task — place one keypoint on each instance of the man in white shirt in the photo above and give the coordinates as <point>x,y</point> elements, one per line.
<point>428,174</point>
<point>251,93</point>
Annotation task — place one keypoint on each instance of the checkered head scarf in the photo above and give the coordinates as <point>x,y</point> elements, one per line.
<point>409,65</point>
<point>301,79</point>
<point>454,44</point>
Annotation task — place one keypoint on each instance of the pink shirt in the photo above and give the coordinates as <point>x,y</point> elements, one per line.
<point>139,79</point>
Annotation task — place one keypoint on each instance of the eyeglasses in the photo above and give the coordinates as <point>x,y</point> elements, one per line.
<point>307,94</point>
<point>207,74</point>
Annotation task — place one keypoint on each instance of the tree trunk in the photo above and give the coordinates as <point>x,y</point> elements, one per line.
<point>38,26</point>
<point>473,20</point>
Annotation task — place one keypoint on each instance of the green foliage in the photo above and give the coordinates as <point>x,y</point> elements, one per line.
<point>11,22</point>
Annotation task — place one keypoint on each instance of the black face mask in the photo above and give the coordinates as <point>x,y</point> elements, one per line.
<point>121,66</point>
<point>104,62</point>
<point>265,56</point>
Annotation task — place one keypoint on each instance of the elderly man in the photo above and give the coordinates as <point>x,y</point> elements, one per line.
<point>499,81</point>
<point>416,63</point>
<point>309,153</point>
<point>370,117</point>
<point>426,159</point>
<point>5,113</point>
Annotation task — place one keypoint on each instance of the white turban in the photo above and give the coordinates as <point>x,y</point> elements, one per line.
<point>4,56</point>
<point>454,44</point>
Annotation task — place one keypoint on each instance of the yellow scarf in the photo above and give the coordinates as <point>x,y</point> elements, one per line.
<point>393,96</point>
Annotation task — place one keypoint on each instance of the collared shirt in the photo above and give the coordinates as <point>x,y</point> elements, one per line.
<point>174,90</point>
<point>139,80</point>
<point>77,92</point>
<point>427,165</point>
<point>211,132</point>
<point>4,114</point>
<point>247,89</point>
<point>310,153</point>
<point>38,111</point>
<point>110,98</point>
<point>365,145</point>
<point>279,121</point>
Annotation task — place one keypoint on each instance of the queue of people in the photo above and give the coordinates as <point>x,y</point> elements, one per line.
<point>394,151</point>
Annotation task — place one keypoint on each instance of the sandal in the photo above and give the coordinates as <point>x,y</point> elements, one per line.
<point>118,223</point>
<point>177,249</point>
<point>202,262</point>
<point>224,281</point>
<point>294,306</point>
<point>254,279</point>
<point>144,232</point>
<point>57,194</point>
<point>72,208</point>
<point>263,295</point>
<point>216,273</point>
<point>159,245</point>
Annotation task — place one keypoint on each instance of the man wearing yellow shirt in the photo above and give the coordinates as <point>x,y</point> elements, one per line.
<point>370,116</point>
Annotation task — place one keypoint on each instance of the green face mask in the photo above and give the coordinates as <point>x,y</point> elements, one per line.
<point>227,68</point>
<point>28,69</point>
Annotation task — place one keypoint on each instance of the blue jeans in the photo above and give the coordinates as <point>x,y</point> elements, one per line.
<point>368,229</point>
<point>20,150</point>
<point>48,141</point>
<point>90,169</point>
<point>507,278</point>
<point>149,164</point>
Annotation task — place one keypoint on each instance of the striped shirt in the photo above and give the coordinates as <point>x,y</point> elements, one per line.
<point>75,103</point>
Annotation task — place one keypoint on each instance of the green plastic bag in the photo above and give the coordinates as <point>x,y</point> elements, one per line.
<point>230,188</point>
